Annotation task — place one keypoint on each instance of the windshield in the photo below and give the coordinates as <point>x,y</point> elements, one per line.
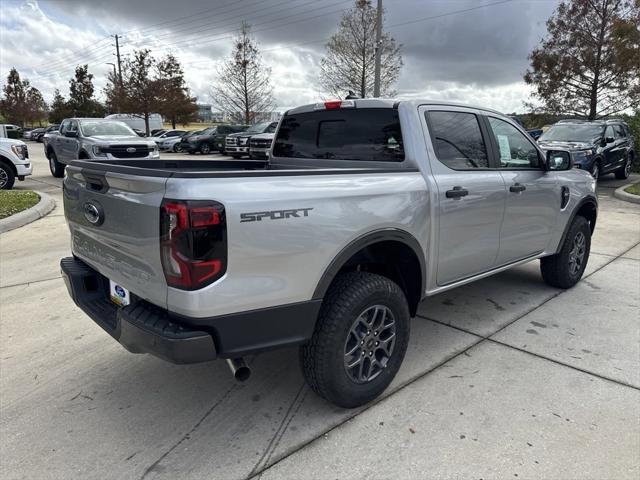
<point>257,128</point>
<point>572,133</point>
<point>94,129</point>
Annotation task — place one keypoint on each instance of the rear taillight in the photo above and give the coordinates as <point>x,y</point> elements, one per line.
<point>193,243</point>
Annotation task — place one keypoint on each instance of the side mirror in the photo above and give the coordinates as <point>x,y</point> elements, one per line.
<point>558,160</point>
<point>71,134</point>
<point>609,140</point>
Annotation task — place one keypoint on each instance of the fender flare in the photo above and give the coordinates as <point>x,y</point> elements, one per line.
<point>590,199</point>
<point>387,234</point>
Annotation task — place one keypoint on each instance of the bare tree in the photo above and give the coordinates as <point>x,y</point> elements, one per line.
<point>349,63</point>
<point>243,90</point>
<point>589,63</point>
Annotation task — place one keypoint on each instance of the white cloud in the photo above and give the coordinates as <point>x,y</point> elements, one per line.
<point>442,59</point>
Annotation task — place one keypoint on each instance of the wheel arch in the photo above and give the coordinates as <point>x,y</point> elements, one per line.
<point>587,208</point>
<point>9,163</point>
<point>393,253</point>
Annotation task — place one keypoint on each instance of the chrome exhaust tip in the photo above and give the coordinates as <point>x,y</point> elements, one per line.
<point>240,370</point>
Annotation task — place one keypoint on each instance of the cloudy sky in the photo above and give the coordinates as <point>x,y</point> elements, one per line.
<point>472,51</point>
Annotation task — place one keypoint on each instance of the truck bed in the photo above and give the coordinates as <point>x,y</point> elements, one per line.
<point>225,168</point>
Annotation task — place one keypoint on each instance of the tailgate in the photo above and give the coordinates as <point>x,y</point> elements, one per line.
<point>114,220</point>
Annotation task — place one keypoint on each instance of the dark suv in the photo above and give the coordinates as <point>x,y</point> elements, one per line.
<point>212,138</point>
<point>599,146</point>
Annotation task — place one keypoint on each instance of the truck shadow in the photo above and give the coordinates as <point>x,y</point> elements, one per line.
<point>208,424</point>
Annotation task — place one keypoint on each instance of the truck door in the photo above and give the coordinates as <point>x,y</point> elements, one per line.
<point>470,192</point>
<point>533,195</point>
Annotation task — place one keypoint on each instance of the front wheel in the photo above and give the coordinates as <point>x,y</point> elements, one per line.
<point>57,168</point>
<point>360,339</point>
<point>7,177</point>
<point>623,172</point>
<point>177,148</point>
<point>205,149</point>
<point>564,269</point>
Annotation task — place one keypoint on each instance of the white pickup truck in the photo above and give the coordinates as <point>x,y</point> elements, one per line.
<point>14,162</point>
<point>364,208</point>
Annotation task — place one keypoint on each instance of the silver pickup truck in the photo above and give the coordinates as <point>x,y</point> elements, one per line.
<point>364,208</point>
<point>94,139</point>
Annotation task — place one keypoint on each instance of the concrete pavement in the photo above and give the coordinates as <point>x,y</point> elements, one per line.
<point>504,378</point>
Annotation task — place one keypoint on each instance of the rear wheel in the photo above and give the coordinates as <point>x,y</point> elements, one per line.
<point>57,168</point>
<point>623,172</point>
<point>205,149</point>
<point>360,339</point>
<point>7,177</point>
<point>565,269</point>
<point>177,148</point>
<point>595,170</point>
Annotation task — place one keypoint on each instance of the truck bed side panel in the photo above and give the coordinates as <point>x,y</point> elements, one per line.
<point>278,258</point>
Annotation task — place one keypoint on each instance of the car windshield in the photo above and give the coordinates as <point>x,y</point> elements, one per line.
<point>210,131</point>
<point>572,133</point>
<point>257,128</point>
<point>93,129</point>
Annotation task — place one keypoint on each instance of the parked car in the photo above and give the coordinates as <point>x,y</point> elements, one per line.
<point>10,130</point>
<point>35,132</point>
<point>259,145</point>
<point>40,135</point>
<point>237,144</point>
<point>156,132</point>
<point>14,162</point>
<point>212,138</point>
<point>26,132</point>
<point>330,246</point>
<point>95,139</point>
<point>599,146</point>
<point>176,144</point>
<point>167,134</point>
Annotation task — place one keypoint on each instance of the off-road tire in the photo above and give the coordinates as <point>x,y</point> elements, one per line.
<point>7,177</point>
<point>322,359</point>
<point>57,168</point>
<point>555,269</point>
<point>624,171</point>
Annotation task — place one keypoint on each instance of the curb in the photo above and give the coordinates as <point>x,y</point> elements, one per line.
<point>620,194</point>
<point>39,210</point>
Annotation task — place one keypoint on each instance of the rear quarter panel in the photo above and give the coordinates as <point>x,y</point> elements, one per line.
<point>280,261</point>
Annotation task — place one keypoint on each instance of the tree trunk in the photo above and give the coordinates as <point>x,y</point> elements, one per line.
<point>173,122</point>
<point>146,123</point>
<point>593,100</point>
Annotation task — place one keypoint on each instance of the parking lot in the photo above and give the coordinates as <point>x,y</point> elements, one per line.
<point>504,378</point>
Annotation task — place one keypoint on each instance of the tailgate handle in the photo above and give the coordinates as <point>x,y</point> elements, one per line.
<point>97,183</point>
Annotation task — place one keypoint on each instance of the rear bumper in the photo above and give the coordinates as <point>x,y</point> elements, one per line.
<point>144,328</point>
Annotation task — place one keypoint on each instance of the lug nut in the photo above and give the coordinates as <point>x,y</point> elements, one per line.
<point>370,353</point>
<point>377,343</point>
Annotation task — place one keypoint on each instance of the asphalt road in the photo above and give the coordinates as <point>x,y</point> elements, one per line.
<point>504,378</point>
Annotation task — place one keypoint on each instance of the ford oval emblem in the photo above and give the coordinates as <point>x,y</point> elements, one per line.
<point>93,213</point>
<point>131,150</point>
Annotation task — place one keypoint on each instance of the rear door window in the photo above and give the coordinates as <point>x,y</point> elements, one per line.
<point>457,140</point>
<point>366,134</point>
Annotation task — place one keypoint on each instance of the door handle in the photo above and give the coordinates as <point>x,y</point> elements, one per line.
<point>517,188</point>
<point>457,192</point>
